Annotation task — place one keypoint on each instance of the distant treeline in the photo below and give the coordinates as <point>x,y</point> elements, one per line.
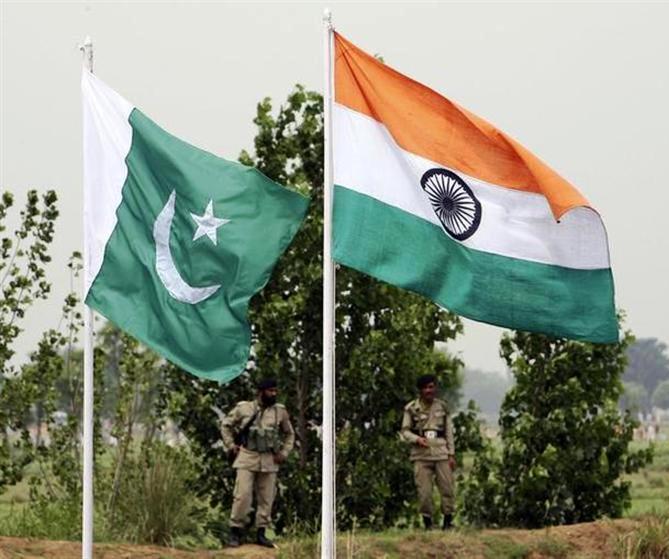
<point>646,381</point>
<point>487,389</point>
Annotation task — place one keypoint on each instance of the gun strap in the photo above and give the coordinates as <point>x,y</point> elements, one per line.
<point>249,422</point>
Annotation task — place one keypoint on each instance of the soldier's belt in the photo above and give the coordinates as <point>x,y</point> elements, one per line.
<point>430,433</point>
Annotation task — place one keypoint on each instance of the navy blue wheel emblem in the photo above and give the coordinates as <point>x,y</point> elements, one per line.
<point>453,201</point>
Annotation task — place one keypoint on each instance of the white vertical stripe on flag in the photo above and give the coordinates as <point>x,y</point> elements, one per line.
<point>107,140</point>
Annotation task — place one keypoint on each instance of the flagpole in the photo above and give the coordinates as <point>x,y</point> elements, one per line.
<point>87,510</point>
<point>328,518</point>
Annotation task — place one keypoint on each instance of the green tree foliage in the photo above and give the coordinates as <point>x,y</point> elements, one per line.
<point>467,433</point>
<point>51,384</point>
<point>385,338</point>
<point>139,374</point>
<point>41,405</point>
<point>44,396</point>
<point>565,445</point>
<point>661,395</point>
<point>647,363</point>
<point>23,257</point>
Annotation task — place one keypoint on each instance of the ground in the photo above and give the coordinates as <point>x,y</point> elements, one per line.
<point>591,540</point>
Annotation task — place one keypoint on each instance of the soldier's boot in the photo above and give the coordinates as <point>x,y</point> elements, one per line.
<point>263,540</point>
<point>448,522</point>
<point>235,537</point>
<point>427,522</point>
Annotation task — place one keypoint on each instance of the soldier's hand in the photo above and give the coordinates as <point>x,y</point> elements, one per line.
<point>233,452</point>
<point>422,441</point>
<point>279,458</point>
<point>452,463</point>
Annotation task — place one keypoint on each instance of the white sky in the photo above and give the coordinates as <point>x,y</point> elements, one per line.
<point>584,86</point>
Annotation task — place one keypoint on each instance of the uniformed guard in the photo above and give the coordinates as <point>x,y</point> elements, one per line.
<point>259,436</point>
<point>427,427</point>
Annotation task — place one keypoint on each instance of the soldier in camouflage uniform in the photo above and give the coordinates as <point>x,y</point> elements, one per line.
<point>427,427</point>
<point>259,435</point>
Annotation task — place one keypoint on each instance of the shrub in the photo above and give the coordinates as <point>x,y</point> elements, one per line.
<point>565,445</point>
<point>156,501</point>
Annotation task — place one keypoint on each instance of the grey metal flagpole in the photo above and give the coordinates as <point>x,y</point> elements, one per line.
<point>328,518</point>
<point>87,510</point>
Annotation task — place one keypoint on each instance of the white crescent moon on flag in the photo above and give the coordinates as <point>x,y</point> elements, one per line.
<point>170,277</point>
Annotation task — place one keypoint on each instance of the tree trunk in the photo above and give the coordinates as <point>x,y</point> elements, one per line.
<point>124,452</point>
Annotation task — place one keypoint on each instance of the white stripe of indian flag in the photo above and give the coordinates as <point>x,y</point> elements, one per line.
<point>513,223</point>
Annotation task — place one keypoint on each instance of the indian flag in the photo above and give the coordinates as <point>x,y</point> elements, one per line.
<point>434,199</point>
<point>177,240</point>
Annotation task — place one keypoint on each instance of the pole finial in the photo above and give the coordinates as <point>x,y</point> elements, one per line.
<point>327,17</point>
<point>87,49</point>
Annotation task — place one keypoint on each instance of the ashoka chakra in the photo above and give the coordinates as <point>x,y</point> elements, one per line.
<point>453,201</point>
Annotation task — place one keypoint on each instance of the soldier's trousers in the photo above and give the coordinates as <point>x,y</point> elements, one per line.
<point>425,473</point>
<point>248,484</point>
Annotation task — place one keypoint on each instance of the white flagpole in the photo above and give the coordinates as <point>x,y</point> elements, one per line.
<point>87,512</point>
<point>328,518</point>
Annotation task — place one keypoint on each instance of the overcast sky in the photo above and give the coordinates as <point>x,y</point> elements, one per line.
<point>584,86</point>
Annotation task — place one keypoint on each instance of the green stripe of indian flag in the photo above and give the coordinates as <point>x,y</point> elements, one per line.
<point>400,248</point>
<point>107,140</point>
<point>521,269</point>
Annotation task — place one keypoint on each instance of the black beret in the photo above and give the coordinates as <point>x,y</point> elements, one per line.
<point>264,384</point>
<point>424,380</point>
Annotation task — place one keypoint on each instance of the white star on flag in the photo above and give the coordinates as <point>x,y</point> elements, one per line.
<point>207,224</point>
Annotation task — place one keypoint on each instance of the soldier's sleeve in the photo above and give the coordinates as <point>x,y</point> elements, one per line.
<point>448,430</point>
<point>288,434</point>
<point>230,421</point>
<point>405,432</point>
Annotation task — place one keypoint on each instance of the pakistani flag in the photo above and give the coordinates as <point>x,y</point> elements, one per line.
<point>177,240</point>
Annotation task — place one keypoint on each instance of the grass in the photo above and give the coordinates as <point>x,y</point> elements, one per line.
<point>650,486</point>
<point>650,540</point>
<point>502,547</point>
<point>15,498</point>
<point>551,547</point>
<point>649,492</point>
<point>402,544</point>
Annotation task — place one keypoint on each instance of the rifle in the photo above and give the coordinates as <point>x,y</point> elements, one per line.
<point>241,438</point>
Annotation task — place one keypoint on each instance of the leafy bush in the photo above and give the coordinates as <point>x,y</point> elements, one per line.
<point>467,432</point>
<point>565,445</point>
<point>24,256</point>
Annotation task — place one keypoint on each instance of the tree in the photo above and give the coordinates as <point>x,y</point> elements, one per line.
<point>45,394</point>
<point>23,257</point>
<point>661,395</point>
<point>565,445</point>
<point>647,363</point>
<point>385,338</point>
